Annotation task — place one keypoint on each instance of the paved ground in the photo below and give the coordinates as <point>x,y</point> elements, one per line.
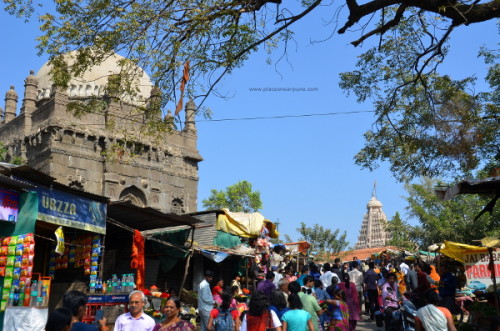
<point>365,326</point>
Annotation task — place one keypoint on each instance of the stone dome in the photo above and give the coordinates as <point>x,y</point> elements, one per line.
<point>374,203</point>
<point>94,80</point>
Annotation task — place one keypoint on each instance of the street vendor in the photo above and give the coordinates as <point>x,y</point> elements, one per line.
<point>236,282</point>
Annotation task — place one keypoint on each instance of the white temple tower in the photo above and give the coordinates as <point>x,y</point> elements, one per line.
<point>373,233</point>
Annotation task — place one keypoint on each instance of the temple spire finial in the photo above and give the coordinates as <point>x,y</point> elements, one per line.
<point>374,190</point>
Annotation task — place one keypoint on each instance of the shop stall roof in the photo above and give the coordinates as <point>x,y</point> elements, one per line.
<point>364,253</point>
<point>39,178</point>
<point>146,218</point>
<point>15,184</point>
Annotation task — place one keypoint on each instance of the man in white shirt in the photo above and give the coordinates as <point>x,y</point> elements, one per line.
<point>404,268</point>
<point>135,319</point>
<point>326,277</point>
<point>205,300</point>
<point>277,276</point>
<point>356,277</point>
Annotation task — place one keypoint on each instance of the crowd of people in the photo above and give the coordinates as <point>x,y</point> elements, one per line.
<point>319,298</point>
<point>333,297</point>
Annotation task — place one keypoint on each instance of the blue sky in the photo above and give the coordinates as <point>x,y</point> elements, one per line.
<point>303,167</point>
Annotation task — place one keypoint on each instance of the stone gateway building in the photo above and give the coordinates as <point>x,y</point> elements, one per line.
<point>95,152</point>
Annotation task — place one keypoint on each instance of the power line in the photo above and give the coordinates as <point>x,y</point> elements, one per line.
<point>242,118</point>
<point>285,116</point>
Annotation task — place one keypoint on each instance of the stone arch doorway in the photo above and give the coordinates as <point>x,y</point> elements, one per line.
<point>134,195</point>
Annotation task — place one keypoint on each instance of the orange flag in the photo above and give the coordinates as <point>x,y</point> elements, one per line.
<point>185,78</point>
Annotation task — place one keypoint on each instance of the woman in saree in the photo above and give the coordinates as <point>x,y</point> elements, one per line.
<point>339,310</point>
<point>172,321</point>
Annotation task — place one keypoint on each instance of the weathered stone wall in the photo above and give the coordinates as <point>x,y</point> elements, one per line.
<point>81,152</point>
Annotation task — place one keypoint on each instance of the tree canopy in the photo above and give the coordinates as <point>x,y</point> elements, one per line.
<point>446,220</point>
<point>323,240</point>
<point>426,124</point>
<point>400,233</point>
<point>239,197</point>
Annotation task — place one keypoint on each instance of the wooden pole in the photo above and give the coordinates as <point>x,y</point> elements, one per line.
<point>246,272</point>
<point>186,269</point>
<point>494,278</point>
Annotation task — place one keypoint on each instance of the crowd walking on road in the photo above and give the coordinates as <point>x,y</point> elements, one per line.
<point>323,297</point>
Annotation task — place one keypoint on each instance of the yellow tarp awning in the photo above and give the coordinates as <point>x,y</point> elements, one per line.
<point>493,241</point>
<point>456,250</point>
<point>248,225</point>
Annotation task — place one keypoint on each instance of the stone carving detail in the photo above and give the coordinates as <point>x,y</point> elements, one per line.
<point>177,206</point>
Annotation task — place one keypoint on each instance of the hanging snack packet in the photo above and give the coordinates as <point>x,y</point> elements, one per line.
<point>10,261</point>
<point>18,261</point>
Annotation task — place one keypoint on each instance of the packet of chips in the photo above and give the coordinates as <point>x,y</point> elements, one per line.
<point>16,273</point>
<point>10,261</point>
<point>9,272</point>
<point>4,250</point>
<point>18,261</point>
<point>5,294</point>
<point>7,282</point>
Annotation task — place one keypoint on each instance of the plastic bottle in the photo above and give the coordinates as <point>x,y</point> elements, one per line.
<point>118,286</point>
<point>114,280</point>
<point>104,287</point>
<point>44,297</point>
<point>124,283</point>
<point>92,286</point>
<point>15,302</point>
<point>99,286</point>
<point>21,296</point>
<point>34,293</point>
<point>10,300</point>
<point>27,296</point>
<point>131,282</point>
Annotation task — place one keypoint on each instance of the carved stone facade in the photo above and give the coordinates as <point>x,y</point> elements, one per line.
<point>373,233</point>
<point>83,153</point>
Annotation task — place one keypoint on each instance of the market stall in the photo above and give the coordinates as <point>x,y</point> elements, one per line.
<point>55,245</point>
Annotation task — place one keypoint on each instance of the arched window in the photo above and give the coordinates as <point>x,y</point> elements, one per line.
<point>134,195</point>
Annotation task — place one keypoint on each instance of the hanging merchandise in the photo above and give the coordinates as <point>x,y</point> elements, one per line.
<point>16,266</point>
<point>59,240</point>
<point>79,251</point>
<point>138,258</point>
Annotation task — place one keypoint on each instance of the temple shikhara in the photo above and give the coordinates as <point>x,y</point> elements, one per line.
<point>373,233</point>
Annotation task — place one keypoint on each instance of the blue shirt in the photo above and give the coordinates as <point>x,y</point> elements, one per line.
<point>321,294</point>
<point>80,326</point>
<point>279,312</point>
<point>296,319</point>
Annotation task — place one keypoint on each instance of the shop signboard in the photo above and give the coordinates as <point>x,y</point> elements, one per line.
<point>476,268</point>
<point>96,299</point>
<point>9,205</point>
<point>117,298</point>
<point>71,210</point>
